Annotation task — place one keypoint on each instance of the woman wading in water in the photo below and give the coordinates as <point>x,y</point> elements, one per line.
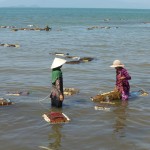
<point>57,95</point>
<point>122,77</point>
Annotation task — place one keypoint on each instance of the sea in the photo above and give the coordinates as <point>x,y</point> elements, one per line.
<point>102,34</point>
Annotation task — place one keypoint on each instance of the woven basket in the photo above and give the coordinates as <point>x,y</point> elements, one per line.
<point>109,96</point>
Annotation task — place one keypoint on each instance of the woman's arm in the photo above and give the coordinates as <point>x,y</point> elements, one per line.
<point>125,75</point>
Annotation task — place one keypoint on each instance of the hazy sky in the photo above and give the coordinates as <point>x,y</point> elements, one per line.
<point>77,3</point>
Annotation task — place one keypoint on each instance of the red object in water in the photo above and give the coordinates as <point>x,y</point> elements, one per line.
<point>56,117</point>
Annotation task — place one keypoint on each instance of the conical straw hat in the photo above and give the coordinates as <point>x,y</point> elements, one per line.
<point>57,63</point>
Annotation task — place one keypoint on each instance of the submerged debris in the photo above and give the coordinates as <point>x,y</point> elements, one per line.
<point>10,45</point>
<point>70,91</point>
<point>76,59</point>
<point>73,62</point>
<point>59,54</point>
<point>102,108</point>
<point>19,93</point>
<point>8,27</point>
<point>143,93</point>
<point>4,101</point>
<point>98,27</point>
<point>47,28</point>
<point>81,60</point>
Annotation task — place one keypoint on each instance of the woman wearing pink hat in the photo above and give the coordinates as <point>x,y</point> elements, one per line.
<point>122,78</point>
<point>57,95</point>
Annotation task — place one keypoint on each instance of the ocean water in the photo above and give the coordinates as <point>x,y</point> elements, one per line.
<point>115,34</point>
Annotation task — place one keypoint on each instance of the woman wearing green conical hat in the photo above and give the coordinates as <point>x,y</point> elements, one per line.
<point>57,95</point>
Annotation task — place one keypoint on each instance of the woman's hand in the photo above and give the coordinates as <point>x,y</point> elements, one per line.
<point>122,78</point>
<point>61,97</point>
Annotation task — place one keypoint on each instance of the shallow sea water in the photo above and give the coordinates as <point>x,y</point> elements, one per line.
<point>126,126</point>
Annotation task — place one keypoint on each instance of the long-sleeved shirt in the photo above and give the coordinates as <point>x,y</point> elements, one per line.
<point>122,85</point>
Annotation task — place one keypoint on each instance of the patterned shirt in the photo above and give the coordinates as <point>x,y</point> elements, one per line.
<point>122,85</point>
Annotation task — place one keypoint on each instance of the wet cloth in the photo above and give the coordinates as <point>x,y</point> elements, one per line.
<point>56,73</point>
<point>57,88</point>
<point>123,85</point>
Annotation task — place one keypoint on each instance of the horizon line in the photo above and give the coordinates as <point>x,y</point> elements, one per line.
<point>70,7</point>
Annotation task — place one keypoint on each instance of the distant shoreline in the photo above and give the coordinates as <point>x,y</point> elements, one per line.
<point>24,7</point>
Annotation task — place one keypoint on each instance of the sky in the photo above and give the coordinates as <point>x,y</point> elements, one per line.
<point>136,4</point>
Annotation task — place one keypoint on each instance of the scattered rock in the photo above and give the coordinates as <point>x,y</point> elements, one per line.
<point>70,91</point>
<point>10,45</point>
<point>7,27</point>
<point>19,93</point>
<point>60,54</point>
<point>47,28</point>
<point>4,102</point>
<point>98,27</point>
<point>81,60</point>
<point>73,62</point>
